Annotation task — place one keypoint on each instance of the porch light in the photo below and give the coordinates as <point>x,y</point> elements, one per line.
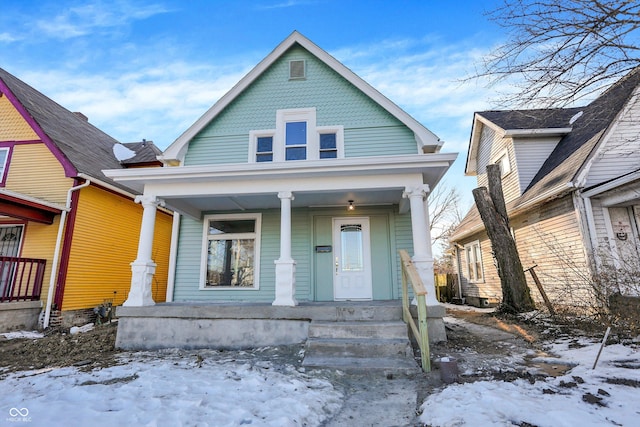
<point>350,207</point>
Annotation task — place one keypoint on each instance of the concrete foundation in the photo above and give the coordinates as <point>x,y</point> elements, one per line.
<point>245,325</point>
<point>22,315</point>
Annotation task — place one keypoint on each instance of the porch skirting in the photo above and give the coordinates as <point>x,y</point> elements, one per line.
<point>238,325</point>
<point>22,315</point>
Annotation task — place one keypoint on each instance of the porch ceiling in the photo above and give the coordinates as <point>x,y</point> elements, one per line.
<point>301,199</point>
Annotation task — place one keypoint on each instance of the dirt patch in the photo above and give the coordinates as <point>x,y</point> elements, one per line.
<point>86,350</point>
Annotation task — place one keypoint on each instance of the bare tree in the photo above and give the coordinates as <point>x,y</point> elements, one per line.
<point>559,51</point>
<point>444,211</point>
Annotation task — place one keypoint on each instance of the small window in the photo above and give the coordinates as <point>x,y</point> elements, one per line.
<point>504,164</point>
<point>474,262</point>
<point>297,70</point>
<point>328,146</point>
<point>4,159</point>
<point>296,141</point>
<point>231,258</point>
<point>264,149</point>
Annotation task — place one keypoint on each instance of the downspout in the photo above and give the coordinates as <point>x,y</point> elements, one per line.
<point>56,253</point>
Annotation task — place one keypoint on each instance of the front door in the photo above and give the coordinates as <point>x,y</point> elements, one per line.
<point>352,259</point>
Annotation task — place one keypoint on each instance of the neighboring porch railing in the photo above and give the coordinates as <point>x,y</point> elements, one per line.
<point>21,278</point>
<point>410,274</point>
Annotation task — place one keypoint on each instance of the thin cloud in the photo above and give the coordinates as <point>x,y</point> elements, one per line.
<point>289,3</point>
<point>82,20</point>
<point>8,38</point>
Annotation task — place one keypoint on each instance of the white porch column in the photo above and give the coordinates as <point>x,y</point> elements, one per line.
<point>285,265</point>
<point>423,259</point>
<point>143,268</point>
<point>422,253</point>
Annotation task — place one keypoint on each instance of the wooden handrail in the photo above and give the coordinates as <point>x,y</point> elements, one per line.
<point>420,332</point>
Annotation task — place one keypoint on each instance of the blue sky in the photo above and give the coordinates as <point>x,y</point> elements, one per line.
<point>149,69</point>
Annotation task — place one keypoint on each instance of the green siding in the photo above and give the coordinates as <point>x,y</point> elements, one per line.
<point>378,141</point>
<point>314,272</point>
<point>208,150</point>
<point>368,127</point>
<point>404,240</point>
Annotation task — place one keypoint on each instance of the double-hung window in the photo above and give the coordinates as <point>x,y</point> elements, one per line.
<point>295,141</point>
<point>328,146</point>
<point>232,251</point>
<point>473,256</point>
<point>264,149</point>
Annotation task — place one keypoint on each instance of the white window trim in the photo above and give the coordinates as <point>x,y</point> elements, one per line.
<point>3,172</point>
<point>503,154</point>
<point>339,131</point>
<point>205,244</point>
<point>253,142</point>
<point>468,261</point>
<point>307,115</point>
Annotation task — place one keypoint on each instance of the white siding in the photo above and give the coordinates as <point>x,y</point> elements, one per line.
<point>620,151</point>
<point>550,238</point>
<point>530,154</point>
<point>490,147</point>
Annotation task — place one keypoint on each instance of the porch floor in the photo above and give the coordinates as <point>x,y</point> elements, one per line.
<point>321,310</point>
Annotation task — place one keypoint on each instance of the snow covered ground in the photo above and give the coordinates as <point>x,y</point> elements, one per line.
<point>173,388</point>
<point>608,395</point>
<point>167,389</point>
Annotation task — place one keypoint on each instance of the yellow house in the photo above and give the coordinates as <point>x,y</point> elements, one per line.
<point>67,232</point>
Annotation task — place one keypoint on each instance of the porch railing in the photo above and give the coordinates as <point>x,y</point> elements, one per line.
<point>21,278</point>
<point>410,275</point>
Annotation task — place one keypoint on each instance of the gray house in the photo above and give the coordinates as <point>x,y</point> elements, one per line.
<point>296,190</point>
<point>570,178</point>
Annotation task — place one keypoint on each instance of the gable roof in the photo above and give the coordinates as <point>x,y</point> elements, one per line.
<point>81,148</point>
<point>558,173</point>
<point>427,139</point>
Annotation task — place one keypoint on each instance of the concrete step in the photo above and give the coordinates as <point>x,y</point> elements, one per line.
<point>358,329</point>
<point>358,347</point>
<point>368,313</point>
<point>399,366</point>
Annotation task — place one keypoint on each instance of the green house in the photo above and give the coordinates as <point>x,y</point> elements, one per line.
<point>299,185</point>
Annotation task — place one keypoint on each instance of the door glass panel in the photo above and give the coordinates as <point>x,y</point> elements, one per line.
<point>352,249</point>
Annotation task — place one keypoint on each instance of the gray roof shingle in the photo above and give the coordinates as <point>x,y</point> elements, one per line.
<point>87,148</point>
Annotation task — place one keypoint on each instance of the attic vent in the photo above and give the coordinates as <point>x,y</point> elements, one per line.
<point>297,69</point>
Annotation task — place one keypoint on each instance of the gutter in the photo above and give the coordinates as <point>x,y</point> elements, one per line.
<point>56,253</point>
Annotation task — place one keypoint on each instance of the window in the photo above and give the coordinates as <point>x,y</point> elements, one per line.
<point>296,137</point>
<point>4,160</point>
<point>503,163</point>
<point>231,251</point>
<point>474,261</point>
<point>328,146</point>
<point>264,150</point>
<point>296,141</point>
